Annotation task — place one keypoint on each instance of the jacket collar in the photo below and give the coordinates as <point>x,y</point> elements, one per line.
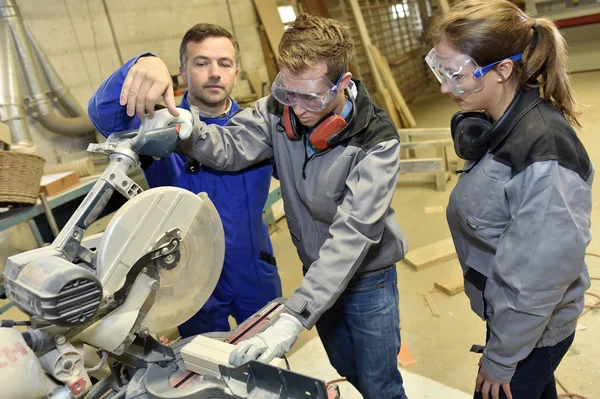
<point>524,101</point>
<point>364,110</point>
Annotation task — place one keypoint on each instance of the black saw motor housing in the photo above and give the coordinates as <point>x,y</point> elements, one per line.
<point>56,291</point>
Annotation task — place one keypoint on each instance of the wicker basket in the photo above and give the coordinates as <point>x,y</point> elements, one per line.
<point>20,176</point>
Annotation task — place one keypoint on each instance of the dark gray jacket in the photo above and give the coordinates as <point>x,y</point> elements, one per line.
<point>520,220</point>
<point>337,202</point>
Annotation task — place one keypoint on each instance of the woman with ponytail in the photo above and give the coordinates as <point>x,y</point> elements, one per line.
<point>520,212</point>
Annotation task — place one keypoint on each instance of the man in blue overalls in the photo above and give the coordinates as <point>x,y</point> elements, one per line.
<point>209,58</point>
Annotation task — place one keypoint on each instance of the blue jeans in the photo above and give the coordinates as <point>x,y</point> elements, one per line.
<point>361,335</point>
<point>534,376</point>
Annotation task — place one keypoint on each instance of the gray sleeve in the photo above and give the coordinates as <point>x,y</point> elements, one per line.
<point>539,255</point>
<point>357,225</point>
<point>244,141</point>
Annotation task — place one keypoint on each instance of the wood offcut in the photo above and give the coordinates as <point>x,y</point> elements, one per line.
<point>431,255</point>
<point>451,284</point>
<point>431,304</point>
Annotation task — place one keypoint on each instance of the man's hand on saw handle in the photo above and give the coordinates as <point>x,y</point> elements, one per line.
<point>163,118</point>
<point>145,83</point>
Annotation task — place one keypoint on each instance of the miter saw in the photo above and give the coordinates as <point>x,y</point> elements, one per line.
<point>155,265</point>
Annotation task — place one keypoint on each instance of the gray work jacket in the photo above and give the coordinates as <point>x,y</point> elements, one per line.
<point>520,221</point>
<point>337,202</point>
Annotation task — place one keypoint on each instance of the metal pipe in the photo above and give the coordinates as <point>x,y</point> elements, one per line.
<point>10,11</point>
<point>66,99</point>
<point>77,126</point>
<point>35,80</point>
<point>12,109</point>
<point>19,131</point>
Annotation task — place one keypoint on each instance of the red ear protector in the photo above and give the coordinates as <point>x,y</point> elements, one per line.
<point>325,133</point>
<point>321,133</point>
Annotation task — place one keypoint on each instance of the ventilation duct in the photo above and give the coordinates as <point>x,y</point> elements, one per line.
<point>26,74</point>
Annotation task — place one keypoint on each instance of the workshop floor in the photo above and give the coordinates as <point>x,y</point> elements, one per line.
<point>441,344</point>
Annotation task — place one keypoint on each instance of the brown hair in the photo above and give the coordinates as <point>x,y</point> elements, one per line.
<point>493,30</point>
<point>310,40</point>
<point>198,33</point>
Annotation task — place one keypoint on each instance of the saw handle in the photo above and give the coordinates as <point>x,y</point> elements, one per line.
<point>158,142</point>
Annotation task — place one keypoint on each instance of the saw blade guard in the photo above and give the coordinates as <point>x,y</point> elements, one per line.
<point>138,227</point>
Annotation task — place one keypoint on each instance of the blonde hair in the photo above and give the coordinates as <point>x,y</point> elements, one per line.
<point>493,30</point>
<point>310,40</point>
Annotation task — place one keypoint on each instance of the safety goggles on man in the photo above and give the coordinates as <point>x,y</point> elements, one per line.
<point>459,73</point>
<point>313,95</point>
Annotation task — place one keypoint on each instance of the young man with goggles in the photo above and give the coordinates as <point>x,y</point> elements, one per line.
<point>336,155</point>
<point>313,95</point>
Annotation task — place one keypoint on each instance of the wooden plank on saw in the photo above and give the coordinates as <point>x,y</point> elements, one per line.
<point>270,19</point>
<point>208,353</point>
<point>451,284</point>
<point>201,370</point>
<point>431,254</point>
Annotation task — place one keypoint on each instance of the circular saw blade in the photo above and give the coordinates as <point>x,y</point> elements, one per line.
<point>139,224</point>
<point>185,288</point>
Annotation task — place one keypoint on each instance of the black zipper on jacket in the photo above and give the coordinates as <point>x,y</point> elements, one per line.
<point>307,158</point>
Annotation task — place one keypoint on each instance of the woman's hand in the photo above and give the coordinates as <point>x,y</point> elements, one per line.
<point>486,384</point>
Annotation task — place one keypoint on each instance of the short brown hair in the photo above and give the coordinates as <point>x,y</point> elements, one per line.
<point>310,40</point>
<point>493,30</point>
<point>198,33</point>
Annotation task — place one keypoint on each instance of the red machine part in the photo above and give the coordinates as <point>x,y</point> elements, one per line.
<point>78,386</point>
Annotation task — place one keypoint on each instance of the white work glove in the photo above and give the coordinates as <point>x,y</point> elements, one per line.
<point>162,118</point>
<point>275,341</point>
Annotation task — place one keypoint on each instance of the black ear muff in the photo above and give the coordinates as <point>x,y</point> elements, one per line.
<point>470,133</point>
<point>290,123</point>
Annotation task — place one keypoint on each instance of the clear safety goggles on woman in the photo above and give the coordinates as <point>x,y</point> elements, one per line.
<point>459,73</point>
<point>313,95</point>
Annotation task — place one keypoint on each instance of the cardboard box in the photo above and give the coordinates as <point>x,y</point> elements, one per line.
<point>56,183</point>
<point>5,141</point>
